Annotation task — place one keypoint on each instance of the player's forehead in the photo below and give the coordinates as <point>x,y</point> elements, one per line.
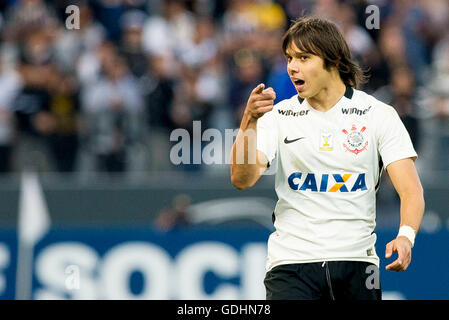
<point>296,48</point>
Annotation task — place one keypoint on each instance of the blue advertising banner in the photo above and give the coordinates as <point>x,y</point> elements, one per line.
<point>197,263</point>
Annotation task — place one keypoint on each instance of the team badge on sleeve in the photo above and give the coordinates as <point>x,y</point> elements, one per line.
<point>355,141</point>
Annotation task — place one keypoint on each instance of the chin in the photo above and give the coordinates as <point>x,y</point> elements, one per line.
<point>302,95</point>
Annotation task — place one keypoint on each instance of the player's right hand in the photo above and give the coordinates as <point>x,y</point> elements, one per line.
<point>260,101</point>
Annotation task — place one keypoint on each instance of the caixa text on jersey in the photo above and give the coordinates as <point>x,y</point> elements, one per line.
<point>327,182</point>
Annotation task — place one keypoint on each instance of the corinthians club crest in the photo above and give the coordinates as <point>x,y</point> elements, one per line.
<point>355,140</point>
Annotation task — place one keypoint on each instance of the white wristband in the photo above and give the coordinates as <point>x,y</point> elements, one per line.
<point>407,232</point>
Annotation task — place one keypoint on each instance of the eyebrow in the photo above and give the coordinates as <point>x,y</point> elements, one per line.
<point>290,52</point>
<point>296,53</point>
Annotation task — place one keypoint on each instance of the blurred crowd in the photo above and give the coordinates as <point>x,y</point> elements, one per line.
<point>106,96</point>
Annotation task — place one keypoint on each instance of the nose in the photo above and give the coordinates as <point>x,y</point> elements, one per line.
<point>293,67</point>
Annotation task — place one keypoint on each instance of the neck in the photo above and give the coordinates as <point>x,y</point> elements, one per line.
<point>328,96</point>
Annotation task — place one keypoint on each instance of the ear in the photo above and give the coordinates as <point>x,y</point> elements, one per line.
<point>330,66</point>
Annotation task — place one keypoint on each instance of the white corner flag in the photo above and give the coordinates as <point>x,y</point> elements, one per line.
<point>33,224</point>
<point>34,220</point>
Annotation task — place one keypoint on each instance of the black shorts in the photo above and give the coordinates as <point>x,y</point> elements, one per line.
<point>332,280</point>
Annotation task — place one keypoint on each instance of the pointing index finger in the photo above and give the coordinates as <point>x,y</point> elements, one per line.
<point>259,88</point>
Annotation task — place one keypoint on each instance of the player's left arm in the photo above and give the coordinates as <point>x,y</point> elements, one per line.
<point>406,181</point>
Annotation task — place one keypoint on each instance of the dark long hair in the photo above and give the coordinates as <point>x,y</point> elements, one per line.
<point>322,38</point>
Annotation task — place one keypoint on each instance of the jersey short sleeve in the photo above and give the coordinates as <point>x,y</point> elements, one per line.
<point>267,135</point>
<point>393,140</point>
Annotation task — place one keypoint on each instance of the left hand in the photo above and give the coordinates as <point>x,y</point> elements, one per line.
<point>403,247</point>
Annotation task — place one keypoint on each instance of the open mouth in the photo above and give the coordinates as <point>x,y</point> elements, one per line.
<point>299,84</point>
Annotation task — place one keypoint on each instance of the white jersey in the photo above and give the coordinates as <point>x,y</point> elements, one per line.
<point>328,167</point>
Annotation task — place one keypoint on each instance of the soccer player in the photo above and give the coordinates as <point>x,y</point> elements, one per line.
<point>329,145</point>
